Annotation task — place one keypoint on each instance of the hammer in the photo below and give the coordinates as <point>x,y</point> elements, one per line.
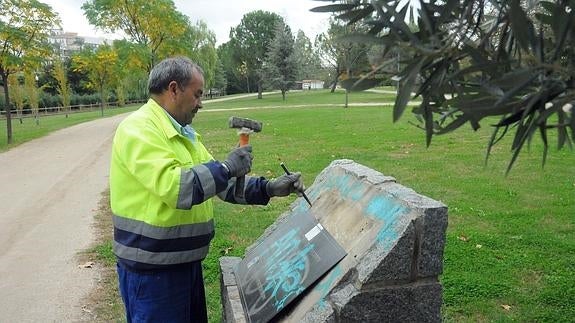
<point>245,128</point>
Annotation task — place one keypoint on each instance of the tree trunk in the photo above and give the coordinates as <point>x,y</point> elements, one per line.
<point>8,110</point>
<point>334,84</point>
<point>102,100</point>
<point>260,89</point>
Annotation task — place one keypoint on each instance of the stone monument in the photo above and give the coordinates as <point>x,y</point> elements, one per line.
<point>394,240</point>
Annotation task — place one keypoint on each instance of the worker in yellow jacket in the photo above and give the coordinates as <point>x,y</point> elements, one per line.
<point>162,180</point>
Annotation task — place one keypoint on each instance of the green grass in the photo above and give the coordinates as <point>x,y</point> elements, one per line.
<point>315,97</point>
<point>519,229</point>
<point>510,240</point>
<point>28,129</point>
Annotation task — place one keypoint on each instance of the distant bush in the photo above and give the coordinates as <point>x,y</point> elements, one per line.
<point>49,101</point>
<point>85,99</point>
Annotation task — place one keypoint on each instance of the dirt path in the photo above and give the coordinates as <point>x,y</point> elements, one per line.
<point>49,191</point>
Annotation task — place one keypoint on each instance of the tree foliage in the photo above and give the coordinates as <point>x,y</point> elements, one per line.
<point>63,85</point>
<point>346,58</point>
<point>475,59</point>
<point>102,75</point>
<point>150,23</point>
<point>24,30</point>
<point>280,66</point>
<point>200,43</point>
<point>307,58</point>
<point>250,41</point>
<point>18,94</point>
<point>32,92</point>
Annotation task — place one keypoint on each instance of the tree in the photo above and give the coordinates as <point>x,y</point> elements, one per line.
<point>18,94</point>
<point>24,30</point>
<point>199,44</point>
<point>345,57</point>
<point>236,82</point>
<point>308,61</point>
<point>348,59</point>
<point>63,86</point>
<point>101,75</point>
<point>471,60</point>
<point>280,67</point>
<point>220,80</point>
<point>32,93</point>
<point>250,41</point>
<point>150,23</point>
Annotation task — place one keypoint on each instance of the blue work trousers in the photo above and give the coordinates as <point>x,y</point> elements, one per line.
<point>164,296</point>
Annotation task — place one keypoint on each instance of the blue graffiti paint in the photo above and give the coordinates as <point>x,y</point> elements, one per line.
<point>389,212</point>
<point>285,268</point>
<point>327,283</point>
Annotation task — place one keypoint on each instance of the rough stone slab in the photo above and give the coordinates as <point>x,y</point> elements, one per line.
<point>362,172</point>
<point>230,294</point>
<point>320,313</point>
<point>430,259</point>
<point>408,303</point>
<point>389,267</point>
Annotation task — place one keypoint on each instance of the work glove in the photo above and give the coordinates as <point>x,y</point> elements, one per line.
<point>285,185</point>
<point>239,161</point>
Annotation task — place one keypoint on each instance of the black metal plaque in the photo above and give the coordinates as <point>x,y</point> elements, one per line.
<point>284,264</point>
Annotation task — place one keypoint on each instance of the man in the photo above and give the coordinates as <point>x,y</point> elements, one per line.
<point>162,180</point>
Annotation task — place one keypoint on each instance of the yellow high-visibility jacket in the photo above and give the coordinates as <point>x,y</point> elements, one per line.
<point>161,185</point>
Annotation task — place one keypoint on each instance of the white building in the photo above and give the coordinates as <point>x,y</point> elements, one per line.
<point>311,84</point>
<point>70,42</point>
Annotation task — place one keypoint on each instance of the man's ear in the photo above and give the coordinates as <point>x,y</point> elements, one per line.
<point>173,87</point>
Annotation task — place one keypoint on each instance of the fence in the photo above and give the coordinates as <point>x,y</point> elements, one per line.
<point>51,111</point>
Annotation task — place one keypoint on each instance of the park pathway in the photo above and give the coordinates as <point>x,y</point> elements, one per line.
<point>49,193</point>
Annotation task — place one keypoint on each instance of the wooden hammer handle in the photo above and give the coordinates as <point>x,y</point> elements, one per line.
<point>244,139</point>
<point>240,181</point>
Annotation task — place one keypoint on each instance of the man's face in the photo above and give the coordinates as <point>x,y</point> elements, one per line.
<point>190,99</point>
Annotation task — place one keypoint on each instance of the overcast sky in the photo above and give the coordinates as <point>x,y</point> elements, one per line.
<point>219,15</point>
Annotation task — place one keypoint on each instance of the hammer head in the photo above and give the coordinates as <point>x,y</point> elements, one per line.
<point>240,123</point>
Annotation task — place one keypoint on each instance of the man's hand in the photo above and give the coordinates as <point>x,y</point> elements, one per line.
<point>239,161</point>
<point>285,185</point>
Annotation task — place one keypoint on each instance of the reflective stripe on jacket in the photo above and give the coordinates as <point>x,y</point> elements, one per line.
<point>161,185</point>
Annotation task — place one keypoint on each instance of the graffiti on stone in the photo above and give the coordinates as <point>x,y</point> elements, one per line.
<point>284,264</point>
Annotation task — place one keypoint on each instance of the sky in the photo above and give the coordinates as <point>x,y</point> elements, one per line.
<point>219,15</point>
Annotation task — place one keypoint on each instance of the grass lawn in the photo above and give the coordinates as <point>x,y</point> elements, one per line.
<point>510,247</point>
<point>28,129</point>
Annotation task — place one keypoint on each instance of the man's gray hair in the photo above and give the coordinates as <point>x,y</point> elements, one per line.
<point>179,69</point>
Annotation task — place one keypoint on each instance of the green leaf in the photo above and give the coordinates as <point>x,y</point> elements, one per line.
<point>544,19</point>
<point>428,117</point>
<point>511,79</point>
<point>335,7</point>
<point>543,133</point>
<point>426,17</point>
<point>458,122</point>
<point>406,85</point>
<point>520,24</point>
<point>494,139</point>
<point>515,91</point>
<point>548,5</point>
<point>355,15</point>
